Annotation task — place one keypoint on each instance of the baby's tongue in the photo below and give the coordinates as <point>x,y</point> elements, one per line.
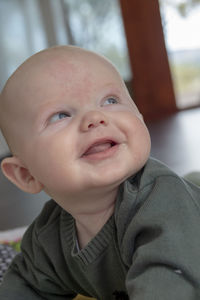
<point>98,148</point>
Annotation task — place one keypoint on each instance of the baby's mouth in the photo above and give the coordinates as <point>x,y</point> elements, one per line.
<point>100,146</point>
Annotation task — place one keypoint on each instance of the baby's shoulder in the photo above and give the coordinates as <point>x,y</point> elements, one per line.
<point>49,216</point>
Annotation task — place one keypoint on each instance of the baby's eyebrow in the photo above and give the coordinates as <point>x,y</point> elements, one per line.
<point>111,86</point>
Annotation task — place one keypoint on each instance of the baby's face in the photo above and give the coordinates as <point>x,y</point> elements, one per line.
<point>81,129</point>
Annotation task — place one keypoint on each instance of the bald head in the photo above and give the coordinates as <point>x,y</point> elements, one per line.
<point>26,86</point>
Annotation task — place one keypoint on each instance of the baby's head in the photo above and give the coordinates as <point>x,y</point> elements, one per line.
<point>70,124</point>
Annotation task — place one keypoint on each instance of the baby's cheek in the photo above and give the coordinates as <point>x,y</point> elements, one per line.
<point>138,135</point>
<point>132,122</point>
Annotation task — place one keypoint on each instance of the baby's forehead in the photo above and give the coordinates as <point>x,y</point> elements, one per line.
<point>61,61</point>
<point>41,76</point>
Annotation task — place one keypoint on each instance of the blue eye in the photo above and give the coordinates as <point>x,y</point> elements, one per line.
<point>111,100</point>
<point>59,116</point>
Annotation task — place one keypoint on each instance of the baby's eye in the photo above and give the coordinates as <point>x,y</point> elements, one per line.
<point>110,100</point>
<point>58,116</point>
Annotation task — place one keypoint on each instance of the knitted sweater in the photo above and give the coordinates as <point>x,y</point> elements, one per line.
<point>149,248</point>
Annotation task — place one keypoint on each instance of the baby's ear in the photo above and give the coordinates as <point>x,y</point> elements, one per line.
<point>15,171</point>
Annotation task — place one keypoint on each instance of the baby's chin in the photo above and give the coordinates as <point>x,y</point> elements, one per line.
<point>112,178</point>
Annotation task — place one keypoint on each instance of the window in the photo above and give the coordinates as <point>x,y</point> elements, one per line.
<point>97,25</point>
<point>21,34</point>
<point>181,25</point>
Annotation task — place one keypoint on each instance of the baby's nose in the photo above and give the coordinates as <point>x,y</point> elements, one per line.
<point>93,119</point>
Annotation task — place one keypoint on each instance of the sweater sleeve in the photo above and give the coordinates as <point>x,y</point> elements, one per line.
<point>34,273</point>
<point>161,245</point>
<point>16,287</point>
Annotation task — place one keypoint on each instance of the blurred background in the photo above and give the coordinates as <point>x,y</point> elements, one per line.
<point>28,26</point>
<point>154,44</point>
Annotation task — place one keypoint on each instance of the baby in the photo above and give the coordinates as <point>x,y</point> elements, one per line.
<point>121,225</point>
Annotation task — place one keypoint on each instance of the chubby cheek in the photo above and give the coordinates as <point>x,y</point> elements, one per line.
<point>49,159</point>
<point>138,140</point>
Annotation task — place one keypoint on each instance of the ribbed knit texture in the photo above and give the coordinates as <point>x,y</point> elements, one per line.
<point>94,248</point>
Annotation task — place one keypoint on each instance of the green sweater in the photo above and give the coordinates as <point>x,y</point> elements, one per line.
<point>149,248</point>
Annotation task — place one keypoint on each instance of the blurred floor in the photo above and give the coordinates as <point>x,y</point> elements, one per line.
<point>175,141</point>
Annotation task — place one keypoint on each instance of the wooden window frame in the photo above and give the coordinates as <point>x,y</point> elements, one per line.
<point>152,81</point>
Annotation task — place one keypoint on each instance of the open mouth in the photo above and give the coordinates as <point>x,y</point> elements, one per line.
<point>102,146</point>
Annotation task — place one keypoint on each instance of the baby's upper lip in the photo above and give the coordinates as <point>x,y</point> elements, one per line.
<point>99,141</point>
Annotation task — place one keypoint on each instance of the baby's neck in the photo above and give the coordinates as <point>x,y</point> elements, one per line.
<point>88,225</point>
